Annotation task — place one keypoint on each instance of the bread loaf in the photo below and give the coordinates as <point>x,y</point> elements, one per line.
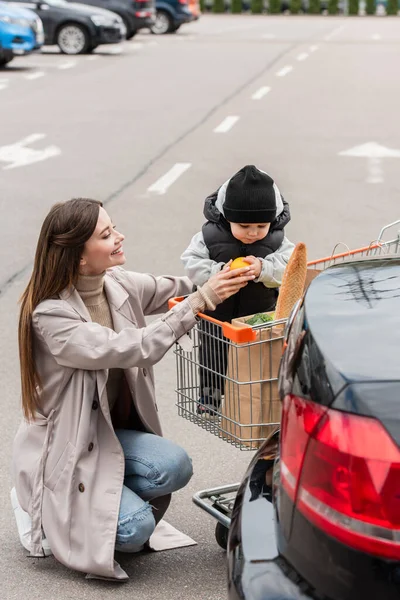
<point>293,282</point>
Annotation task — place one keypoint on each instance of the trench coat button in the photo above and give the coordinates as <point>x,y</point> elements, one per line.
<point>95,405</point>
<point>81,487</point>
<point>145,372</point>
<point>91,446</point>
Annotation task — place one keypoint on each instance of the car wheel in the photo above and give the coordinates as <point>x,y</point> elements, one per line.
<point>162,24</point>
<point>73,39</point>
<point>131,34</point>
<point>175,28</point>
<point>5,61</point>
<point>221,535</point>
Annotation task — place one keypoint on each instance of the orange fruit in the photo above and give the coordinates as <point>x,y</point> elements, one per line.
<point>239,263</point>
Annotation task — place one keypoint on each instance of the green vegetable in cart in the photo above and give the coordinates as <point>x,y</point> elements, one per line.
<point>259,319</point>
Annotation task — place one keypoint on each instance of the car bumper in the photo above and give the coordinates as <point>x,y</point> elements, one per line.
<point>255,569</point>
<point>184,16</point>
<point>110,35</point>
<point>144,19</point>
<point>19,40</point>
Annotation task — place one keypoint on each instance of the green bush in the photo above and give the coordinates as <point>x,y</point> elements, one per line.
<point>315,7</point>
<point>353,7</point>
<point>333,7</point>
<point>275,7</point>
<point>370,7</point>
<point>391,7</point>
<point>202,5</point>
<point>256,7</point>
<point>295,6</point>
<point>236,7</point>
<point>218,6</point>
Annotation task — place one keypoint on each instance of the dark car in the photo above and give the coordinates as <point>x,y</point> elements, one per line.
<point>136,14</point>
<point>318,512</point>
<point>170,15</point>
<point>76,28</point>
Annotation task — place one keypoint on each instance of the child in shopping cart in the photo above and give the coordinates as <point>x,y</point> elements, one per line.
<point>246,217</point>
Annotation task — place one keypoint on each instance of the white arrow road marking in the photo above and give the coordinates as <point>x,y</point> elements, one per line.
<point>263,91</point>
<point>19,155</point>
<point>162,184</point>
<point>313,48</point>
<point>376,36</point>
<point>374,153</point>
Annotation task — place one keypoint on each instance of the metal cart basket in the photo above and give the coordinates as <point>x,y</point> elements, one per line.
<point>228,382</point>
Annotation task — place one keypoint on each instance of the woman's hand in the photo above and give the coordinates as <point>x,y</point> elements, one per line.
<point>227,282</point>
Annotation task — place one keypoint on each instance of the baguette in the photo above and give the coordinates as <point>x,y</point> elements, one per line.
<point>293,282</point>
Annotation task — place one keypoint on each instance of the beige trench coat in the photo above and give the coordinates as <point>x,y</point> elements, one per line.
<point>68,464</point>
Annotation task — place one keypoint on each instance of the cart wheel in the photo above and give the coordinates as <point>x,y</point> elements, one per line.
<point>221,535</point>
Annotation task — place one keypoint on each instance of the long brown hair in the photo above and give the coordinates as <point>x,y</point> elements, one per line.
<point>59,249</point>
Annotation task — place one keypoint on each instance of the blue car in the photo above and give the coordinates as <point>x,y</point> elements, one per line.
<point>21,32</point>
<point>170,15</point>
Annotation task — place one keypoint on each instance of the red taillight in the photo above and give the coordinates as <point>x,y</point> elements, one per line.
<point>343,471</point>
<point>299,419</point>
<point>183,1</point>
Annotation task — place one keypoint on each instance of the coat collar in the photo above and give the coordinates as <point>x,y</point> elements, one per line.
<point>116,296</point>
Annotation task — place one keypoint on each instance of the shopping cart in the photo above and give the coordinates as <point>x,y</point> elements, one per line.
<point>227,383</point>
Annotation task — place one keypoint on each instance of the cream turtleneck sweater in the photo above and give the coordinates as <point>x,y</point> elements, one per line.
<point>91,290</point>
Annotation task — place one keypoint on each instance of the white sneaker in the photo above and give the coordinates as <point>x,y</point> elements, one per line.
<point>24,525</point>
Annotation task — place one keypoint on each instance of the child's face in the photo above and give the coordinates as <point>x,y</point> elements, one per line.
<point>248,233</point>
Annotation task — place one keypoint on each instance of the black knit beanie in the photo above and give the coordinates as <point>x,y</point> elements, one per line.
<point>250,197</point>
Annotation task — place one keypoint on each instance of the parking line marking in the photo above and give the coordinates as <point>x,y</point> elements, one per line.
<point>136,45</point>
<point>313,48</point>
<point>4,84</point>
<point>67,65</point>
<point>263,91</point>
<point>302,56</point>
<point>35,75</point>
<point>283,72</point>
<point>269,36</point>
<point>335,32</point>
<point>117,50</point>
<point>162,184</point>
<point>92,58</point>
<point>376,36</point>
<point>226,124</point>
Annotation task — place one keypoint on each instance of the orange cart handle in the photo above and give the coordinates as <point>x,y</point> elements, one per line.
<point>239,335</point>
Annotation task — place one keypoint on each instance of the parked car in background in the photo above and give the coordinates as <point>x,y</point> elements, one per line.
<point>318,512</point>
<point>170,15</point>
<point>76,28</point>
<point>136,14</point>
<point>21,32</point>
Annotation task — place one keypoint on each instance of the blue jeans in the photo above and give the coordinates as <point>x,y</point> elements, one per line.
<point>154,467</point>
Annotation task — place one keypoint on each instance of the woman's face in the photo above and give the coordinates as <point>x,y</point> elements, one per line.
<point>104,249</point>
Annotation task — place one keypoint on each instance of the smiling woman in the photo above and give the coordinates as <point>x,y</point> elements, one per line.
<point>89,458</point>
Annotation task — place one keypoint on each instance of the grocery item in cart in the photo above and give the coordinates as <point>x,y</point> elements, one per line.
<point>252,408</point>
<point>293,281</point>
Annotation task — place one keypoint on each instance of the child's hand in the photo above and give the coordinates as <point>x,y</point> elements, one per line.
<point>255,265</point>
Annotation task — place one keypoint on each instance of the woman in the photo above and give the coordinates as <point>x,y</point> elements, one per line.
<point>89,456</point>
